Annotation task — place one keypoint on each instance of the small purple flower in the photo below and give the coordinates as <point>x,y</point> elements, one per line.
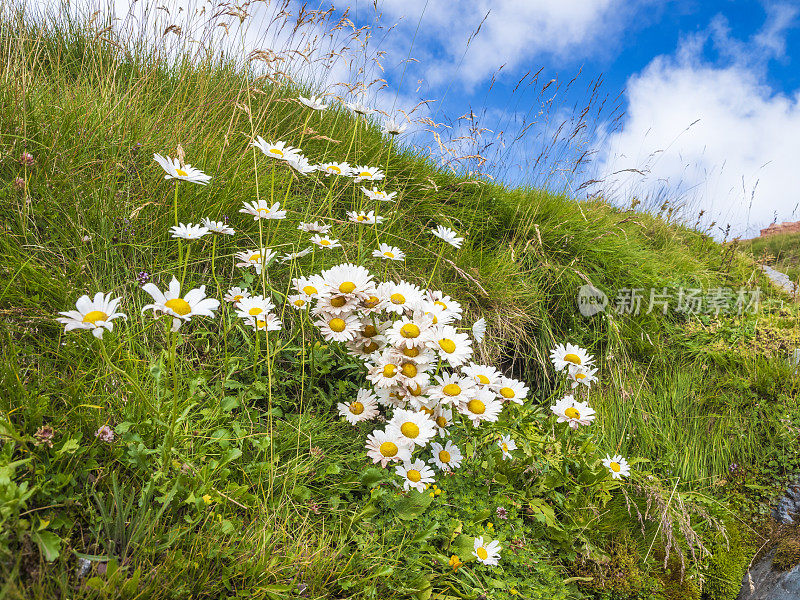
<point>143,277</point>
<point>19,183</point>
<point>26,159</point>
<point>105,434</point>
<point>502,513</point>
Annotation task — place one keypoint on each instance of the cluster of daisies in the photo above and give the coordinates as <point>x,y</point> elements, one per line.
<point>418,360</point>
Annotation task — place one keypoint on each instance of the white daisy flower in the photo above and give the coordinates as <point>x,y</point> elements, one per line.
<point>309,286</point>
<point>481,405</point>
<point>295,255</point>
<point>265,322</point>
<point>384,371</point>
<point>313,102</point>
<point>300,163</point>
<point>365,173</point>
<point>385,447</point>
<point>387,252</point>
<point>262,210</point>
<point>415,427</point>
<point>95,314</point>
<point>581,375</point>
<point>348,279</point>
<point>565,355</point>
<point>298,301</point>
<point>443,418</point>
<point>479,330</point>
<point>325,241</point>
<point>341,304</point>
<point>487,553</point>
<point>255,258</point>
<point>175,170</point>
<point>573,412</point>
<point>334,168</point>
<point>217,226</point>
<point>193,304</point>
<point>512,390</point>
<point>188,231</point>
<point>400,297</point>
<point>447,457</point>
<point>338,328</point>
<point>363,408</point>
<point>376,194</point>
<point>447,235</point>
<point>483,375</point>
<point>363,218</point>
<point>415,473</point>
<point>364,347</point>
<point>419,354</point>
<point>277,150</point>
<point>452,346</point>
<point>391,397</point>
<point>507,444</point>
<point>617,466</point>
<point>445,304</point>
<point>452,388</point>
<point>359,108</point>
<point>253,307</point>
<point>392,127</point>
<point>409,332</point>
<point>314,227</point>
<point>236,294</point>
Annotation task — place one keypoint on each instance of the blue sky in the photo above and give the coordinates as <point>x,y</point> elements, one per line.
<point>729,67</point>
<point>700,99</point>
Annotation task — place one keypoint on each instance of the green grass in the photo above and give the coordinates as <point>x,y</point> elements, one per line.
<point>781,252</point>
<point>265,492</point>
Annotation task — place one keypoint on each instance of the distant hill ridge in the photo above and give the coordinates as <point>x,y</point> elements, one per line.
<point>785,227</point>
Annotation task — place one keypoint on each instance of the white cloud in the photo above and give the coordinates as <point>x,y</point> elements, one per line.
<point>713,137</point>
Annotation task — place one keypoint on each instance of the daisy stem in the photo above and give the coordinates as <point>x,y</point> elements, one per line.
<point>438,258</point>
<point>175,210</point>
<point>167,448</point>
<point>213,268</point>
<point>186,263</point>
<point>261,257</point>
<point>257,350</point>
<point>386,171</point>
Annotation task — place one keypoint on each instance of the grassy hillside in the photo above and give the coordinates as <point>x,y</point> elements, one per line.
<point>779,251</point>
<point>231,473</point>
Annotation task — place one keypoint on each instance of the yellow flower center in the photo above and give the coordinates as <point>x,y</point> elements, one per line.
<point>477,407</point>
<point>261,324</point>
<point>483,379</point>
<point>346,287</point>
<point>482,553</point>
<point>449,346</point>
<point>181,172</point>
<point>397,298</point>
<point>254,311</point>
<point>505,447</point>
<point>444,456</point>
<point>309,290</point>
<point>264,210</point>
<point>299,302</point>
<point>275,151</point>
<point>338,301</point>
<point>417,391</point>
<point>371,302</point>
<point>615,466</point>
<point>580,375</point>
<point>425,409</point>
<point>388,449</point>
<point>94,316</point>
<point>237,297</point>
<point>324,242</point>
<point>369,331</point>
<point>389,370</point>
<point>573,358</point>
<point>255,257</point>
<point>361,218</point>
<point>409,330</point>
<point>337,325</point>
<point>451,389</point>
<point>409,429</point>
<point>572,413</point>
<point>409,370</point>
<point>365,174</point>
<point>507,392</point>
<point>440,303</point>
<point>411,352</point>
<point>370,348</point>
<point>334,169</point>
<point>413,475</point>
<point>179,305</point>
<point>388,254</point>
<point>356,408</point>
<point>441,421</point>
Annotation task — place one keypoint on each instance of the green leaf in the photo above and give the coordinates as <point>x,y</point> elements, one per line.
<point>49,544</point>
<point>463,546</point>
<point>372,476</point>
<point>412,506</point>
<point>481,515</point>
<point>424,534</point>
<point>69,447</point>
